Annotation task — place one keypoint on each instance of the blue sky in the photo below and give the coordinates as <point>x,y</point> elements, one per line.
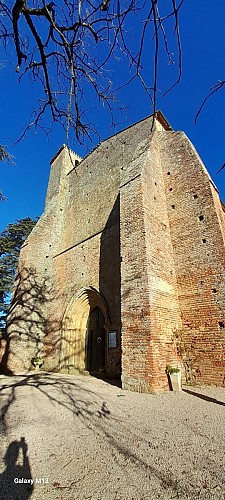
<point>202,33</point>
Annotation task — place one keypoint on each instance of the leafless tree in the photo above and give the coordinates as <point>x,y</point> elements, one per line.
<point>4,154</point>
<point>6,157</point>
<point>67,48</point>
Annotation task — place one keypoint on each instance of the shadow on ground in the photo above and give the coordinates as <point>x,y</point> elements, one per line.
<point>88,406</point>
<point>129,443</point>
<point>16,481</point>
<point>204,397</point>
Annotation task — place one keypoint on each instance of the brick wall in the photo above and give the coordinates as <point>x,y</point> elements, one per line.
<point>197,232</point>
<point>164,305</point>
<point>138,223</point>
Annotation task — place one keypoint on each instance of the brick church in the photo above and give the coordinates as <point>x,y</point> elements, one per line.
<point>124,272</point>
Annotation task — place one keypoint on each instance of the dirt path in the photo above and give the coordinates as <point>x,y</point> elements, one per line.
<point>76,437</point>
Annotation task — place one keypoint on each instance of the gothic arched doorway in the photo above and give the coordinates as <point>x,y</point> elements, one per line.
<point>83,334</point>
<point>95,350</point>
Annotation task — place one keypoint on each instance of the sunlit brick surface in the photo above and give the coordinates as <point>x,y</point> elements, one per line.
<point>137,229</point>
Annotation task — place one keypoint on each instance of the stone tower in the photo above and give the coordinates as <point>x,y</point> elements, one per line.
<point>124,273</point>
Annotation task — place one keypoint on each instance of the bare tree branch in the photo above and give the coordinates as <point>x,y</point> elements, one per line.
<point>6,157</point>
<point>213,90</point>
<point>67,48</point>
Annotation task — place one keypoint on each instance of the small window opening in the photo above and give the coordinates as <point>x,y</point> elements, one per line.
<point>173,206</point>
<point>155,198</point>
<point>170,189</point>
<point>201,217</point>
<point>204,240</point>
<point>76,162</point>
<point>195,196</point>
<point>214,290</point>
<point>221,324</point>
<point>155,183</point>
<point>168,173</point>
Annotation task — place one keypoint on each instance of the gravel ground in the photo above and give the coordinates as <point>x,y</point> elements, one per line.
<point>77,437</point>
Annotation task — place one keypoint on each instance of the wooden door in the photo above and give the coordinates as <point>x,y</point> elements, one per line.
<point>96,341</point>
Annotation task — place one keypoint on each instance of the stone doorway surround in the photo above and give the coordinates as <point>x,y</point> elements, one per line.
<point>74,336</point>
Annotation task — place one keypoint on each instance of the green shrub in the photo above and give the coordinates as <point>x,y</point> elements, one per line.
<point>171,369</point>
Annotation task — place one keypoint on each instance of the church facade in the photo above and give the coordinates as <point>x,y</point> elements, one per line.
<point>124,272</point>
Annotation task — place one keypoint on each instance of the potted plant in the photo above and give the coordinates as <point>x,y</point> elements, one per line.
<point>174,375</point>
<point>37,362</point>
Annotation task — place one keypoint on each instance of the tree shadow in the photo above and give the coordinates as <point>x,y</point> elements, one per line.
<point>204,397</point>
<point>28,335</point>
<point>88,406</point>
<point>33,338</point>
<point>67,394</point>
<point>16,481</point>
<point>25,322</point>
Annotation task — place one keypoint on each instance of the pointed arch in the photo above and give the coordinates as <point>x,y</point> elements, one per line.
<point>73,351</point>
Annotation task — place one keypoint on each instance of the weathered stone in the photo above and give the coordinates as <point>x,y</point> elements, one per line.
<point>126,266</point>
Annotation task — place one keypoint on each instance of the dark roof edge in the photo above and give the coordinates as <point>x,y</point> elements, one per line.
<point>161,118</point>
<point>60,151</point>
